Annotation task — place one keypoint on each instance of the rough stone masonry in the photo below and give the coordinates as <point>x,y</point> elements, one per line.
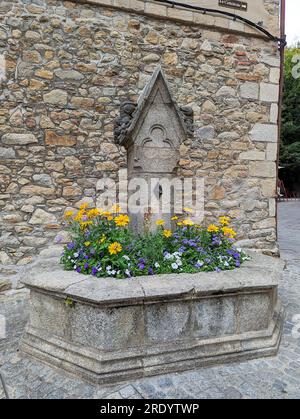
<point>69,66</point>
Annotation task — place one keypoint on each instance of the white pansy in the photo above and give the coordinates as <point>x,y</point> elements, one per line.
<point>126,257</point>
<point>174,266</point>
<point>157,265</point>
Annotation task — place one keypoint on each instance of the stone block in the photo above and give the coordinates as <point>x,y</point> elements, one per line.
<point>253,155</point>
<point>155,9</point>
<point>92,327</point>
<point>49,314</point>
<point>69,75</point>
<point>54,139</point>
<point>249,90</point>
<point>269,92</point>
<point>268,188</point>
<point>18,139</point>
<point>7,153</point>
<point>206,133</point>
<point>226,91</point>
<point>264,133</point>
<point>4,258</point>
<point>265,169</point>
<point>56,97</point>
<point>4,285</point>
<point>274,75</point>
<point>36,190</point>
<point>166,322</point>
<point>214,317</point>
<point>42,217</point>
<point>271,60</point>
<point>272,207</point>
<point>266,223</point>
<point>137,5</point>
<point>271,151</point>
<point>255,312</point>
<point>274,113</point>
<point>180,14</point>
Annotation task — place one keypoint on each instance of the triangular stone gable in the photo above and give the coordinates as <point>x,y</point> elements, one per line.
<point>156,110</point>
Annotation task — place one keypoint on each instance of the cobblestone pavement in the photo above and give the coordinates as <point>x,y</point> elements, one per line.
<point>277,377</point>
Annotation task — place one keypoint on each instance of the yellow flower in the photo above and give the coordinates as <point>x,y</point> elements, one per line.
<point>87,244</point>
<point>224,221</point>
<point>116,208</point>
<point>84,206</point>
<point>107,215</point>
<point>122,220</point>
<point>167,233</point>
<point>188,210</point>
<point>188,222</point>
<point>115,248</point>
<point>85,224</point>
<point>103,238</point>
<point>174,218</point>
<point>179,223</point>
<point>68,214</point>
<point>79,215</point>
<point>212,228</point>
<point>229,232</point>
<point>93,213</point>
<point>160,222</point>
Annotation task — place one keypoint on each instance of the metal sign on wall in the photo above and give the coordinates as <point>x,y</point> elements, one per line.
<point>234,4</point>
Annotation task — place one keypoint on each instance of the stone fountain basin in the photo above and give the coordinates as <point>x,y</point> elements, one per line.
<point>117,330</point>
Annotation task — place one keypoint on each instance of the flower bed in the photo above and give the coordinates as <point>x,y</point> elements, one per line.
<point>102,245</point>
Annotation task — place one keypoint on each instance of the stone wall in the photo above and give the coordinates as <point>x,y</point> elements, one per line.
<point>69,66</point>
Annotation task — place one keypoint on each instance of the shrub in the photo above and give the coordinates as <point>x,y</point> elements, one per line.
<point>102,245</point>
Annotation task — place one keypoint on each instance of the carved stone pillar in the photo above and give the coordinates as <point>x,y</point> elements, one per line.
<point>152,132</point>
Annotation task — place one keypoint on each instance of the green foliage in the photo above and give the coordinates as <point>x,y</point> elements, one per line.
<point>290,134</point>
<point>102,246</point>
<point>69,302</point>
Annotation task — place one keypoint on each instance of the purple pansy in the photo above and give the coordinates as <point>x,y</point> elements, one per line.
<point>199,265</point>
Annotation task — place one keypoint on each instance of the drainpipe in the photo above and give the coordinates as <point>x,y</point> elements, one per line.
<point>281,81</point>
